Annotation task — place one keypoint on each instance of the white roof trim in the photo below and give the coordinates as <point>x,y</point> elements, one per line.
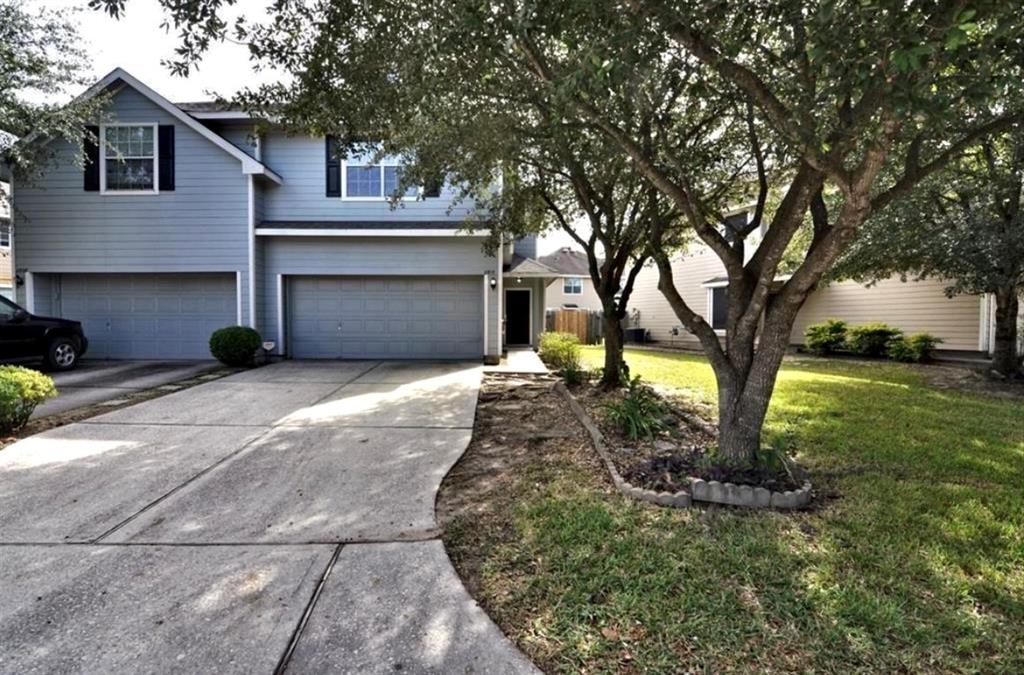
<point>411,232</point>
<point>221,115</point>
<point>249,164</point>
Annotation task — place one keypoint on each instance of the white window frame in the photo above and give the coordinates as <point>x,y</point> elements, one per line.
<point>104,159</point>
<point>566,291</point>
<point>711,305</point>
<point>380,165</point>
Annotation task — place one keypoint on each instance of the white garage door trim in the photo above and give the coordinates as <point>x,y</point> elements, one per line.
<point>468,321</point>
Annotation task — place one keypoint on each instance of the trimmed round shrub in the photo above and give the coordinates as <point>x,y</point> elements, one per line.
<point>825,338</point>
<point>871,339</point>
<point>21,390</point>
<point>235,345</point>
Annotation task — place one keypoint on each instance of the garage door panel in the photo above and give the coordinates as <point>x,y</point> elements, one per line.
<point>386,317</point>
<point>162,316</point>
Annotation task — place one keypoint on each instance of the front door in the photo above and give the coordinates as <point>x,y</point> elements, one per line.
<point>517,317</point>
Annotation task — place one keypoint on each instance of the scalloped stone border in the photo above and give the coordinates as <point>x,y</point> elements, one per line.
<point>712,491</point>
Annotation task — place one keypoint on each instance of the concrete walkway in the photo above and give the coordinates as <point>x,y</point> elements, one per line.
<point>523,361</point>
<point>279,520</point>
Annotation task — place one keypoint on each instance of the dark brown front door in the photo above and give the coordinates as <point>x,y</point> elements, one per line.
<point>517,317</point>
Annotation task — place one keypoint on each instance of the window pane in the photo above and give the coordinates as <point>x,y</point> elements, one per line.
<point>362,181</point>
<point>392,177</point>
<point>135,141</point>
<point>572,286</point>
<point>719,308</point>
<point>130,174</point>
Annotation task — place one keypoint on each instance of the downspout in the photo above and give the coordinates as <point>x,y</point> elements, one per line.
<point>252,251</point>
<point>501,298</point>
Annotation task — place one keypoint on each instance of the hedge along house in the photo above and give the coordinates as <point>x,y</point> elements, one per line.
<point>187,218</point>
<point>964,323</point>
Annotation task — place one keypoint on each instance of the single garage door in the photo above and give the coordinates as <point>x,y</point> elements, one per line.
<point>148,316</point>
<point>386,317</point>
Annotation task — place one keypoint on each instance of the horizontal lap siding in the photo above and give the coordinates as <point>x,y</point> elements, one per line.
<point>384,256</point>
<point>200,226</point>
<point>913,306</point>
<point>299,160</point>
<point>916,306</point>
<point>656,315</point>
<point>555,296</point>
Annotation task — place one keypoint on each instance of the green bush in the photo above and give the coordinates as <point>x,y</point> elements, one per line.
<point>235,345</point>
<point>639,413</point>
<point>21,390</point>
<point>871,339</point>
<point>560,351</point>
<point>825,338</point>
<point>913,348</point>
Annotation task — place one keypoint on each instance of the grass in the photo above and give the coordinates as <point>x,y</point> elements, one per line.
<point>913,561</point>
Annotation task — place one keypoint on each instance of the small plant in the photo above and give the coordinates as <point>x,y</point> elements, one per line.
<point>573,374</point>
<point>825,338</point>
<point>21,390</point>
<point>235,345</point>
<point>640,413</point>
<point>871,339</point>
<point>913,348</point>
<point>560,351</point>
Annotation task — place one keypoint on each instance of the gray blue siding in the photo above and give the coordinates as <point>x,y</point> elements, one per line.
<point>355,256</point>
<point>299,160</point>
<point>202,226</point>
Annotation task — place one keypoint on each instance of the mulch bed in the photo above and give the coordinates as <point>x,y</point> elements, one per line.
<point>666,461</point>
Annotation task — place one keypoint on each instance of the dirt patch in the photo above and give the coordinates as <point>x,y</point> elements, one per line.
<point>523,428</point>
<point>969,380</point>
<point>680,450</point>
<point>123,401</point>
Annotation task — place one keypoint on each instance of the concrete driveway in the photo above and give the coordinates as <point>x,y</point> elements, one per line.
<point>281,519</point>
<point>95,382</point>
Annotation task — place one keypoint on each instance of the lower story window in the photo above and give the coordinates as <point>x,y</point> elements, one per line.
<point>719,309</point>
<point>572,286</point>
<point>5,235</point>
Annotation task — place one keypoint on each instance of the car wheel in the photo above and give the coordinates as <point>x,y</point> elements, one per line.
<point>62,354</point>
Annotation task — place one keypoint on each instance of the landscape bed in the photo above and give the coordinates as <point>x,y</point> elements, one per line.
<point>911,560</point>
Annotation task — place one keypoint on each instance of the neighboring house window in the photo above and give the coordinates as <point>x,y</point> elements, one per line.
<point>718,307</point>
<point>373,181</point>
<point>129,158</point>
<point>5,235</point>
<point>572,285</point>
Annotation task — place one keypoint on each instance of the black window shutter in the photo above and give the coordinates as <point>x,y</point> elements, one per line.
<point>92,159</point>
<point>333,164</point>
<point>166,149</point>
<point>433,187</point>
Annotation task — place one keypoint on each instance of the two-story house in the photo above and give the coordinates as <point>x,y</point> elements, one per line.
<point>187,218</point>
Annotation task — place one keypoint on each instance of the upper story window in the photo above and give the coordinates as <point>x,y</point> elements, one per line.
<point>373,181</point>
<point>572,285</point>
<point>5,235</point>
<point>129,158</point>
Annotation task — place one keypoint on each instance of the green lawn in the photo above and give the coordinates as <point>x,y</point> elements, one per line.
<point>914,561</point>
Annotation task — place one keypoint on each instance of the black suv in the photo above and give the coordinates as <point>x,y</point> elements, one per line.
<point>59,342</point>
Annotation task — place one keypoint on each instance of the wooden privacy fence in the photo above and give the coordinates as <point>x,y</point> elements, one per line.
<point>583,323</point>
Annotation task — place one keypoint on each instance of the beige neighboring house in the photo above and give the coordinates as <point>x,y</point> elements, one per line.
<point>964,322</point>
<point>6,268</point>
<point>574,288</point>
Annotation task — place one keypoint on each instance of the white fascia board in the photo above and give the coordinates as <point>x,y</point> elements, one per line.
<point>412,232</point>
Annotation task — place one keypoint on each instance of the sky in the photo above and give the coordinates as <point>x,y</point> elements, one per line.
<point>138,44</point>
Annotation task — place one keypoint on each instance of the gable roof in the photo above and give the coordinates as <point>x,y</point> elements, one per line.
<point>568,261</point>
<point>519,266</point>
<point>250,165</point>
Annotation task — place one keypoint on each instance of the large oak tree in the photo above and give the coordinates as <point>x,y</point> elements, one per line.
<point>714,102</point>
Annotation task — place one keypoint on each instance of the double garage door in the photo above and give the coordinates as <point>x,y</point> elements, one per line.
<point>147,316</point>
<point>385,317</point>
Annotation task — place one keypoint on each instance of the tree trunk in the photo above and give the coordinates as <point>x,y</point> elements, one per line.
<point>1004,356</point>
<point>614,338</point>
<point>743,398</point>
